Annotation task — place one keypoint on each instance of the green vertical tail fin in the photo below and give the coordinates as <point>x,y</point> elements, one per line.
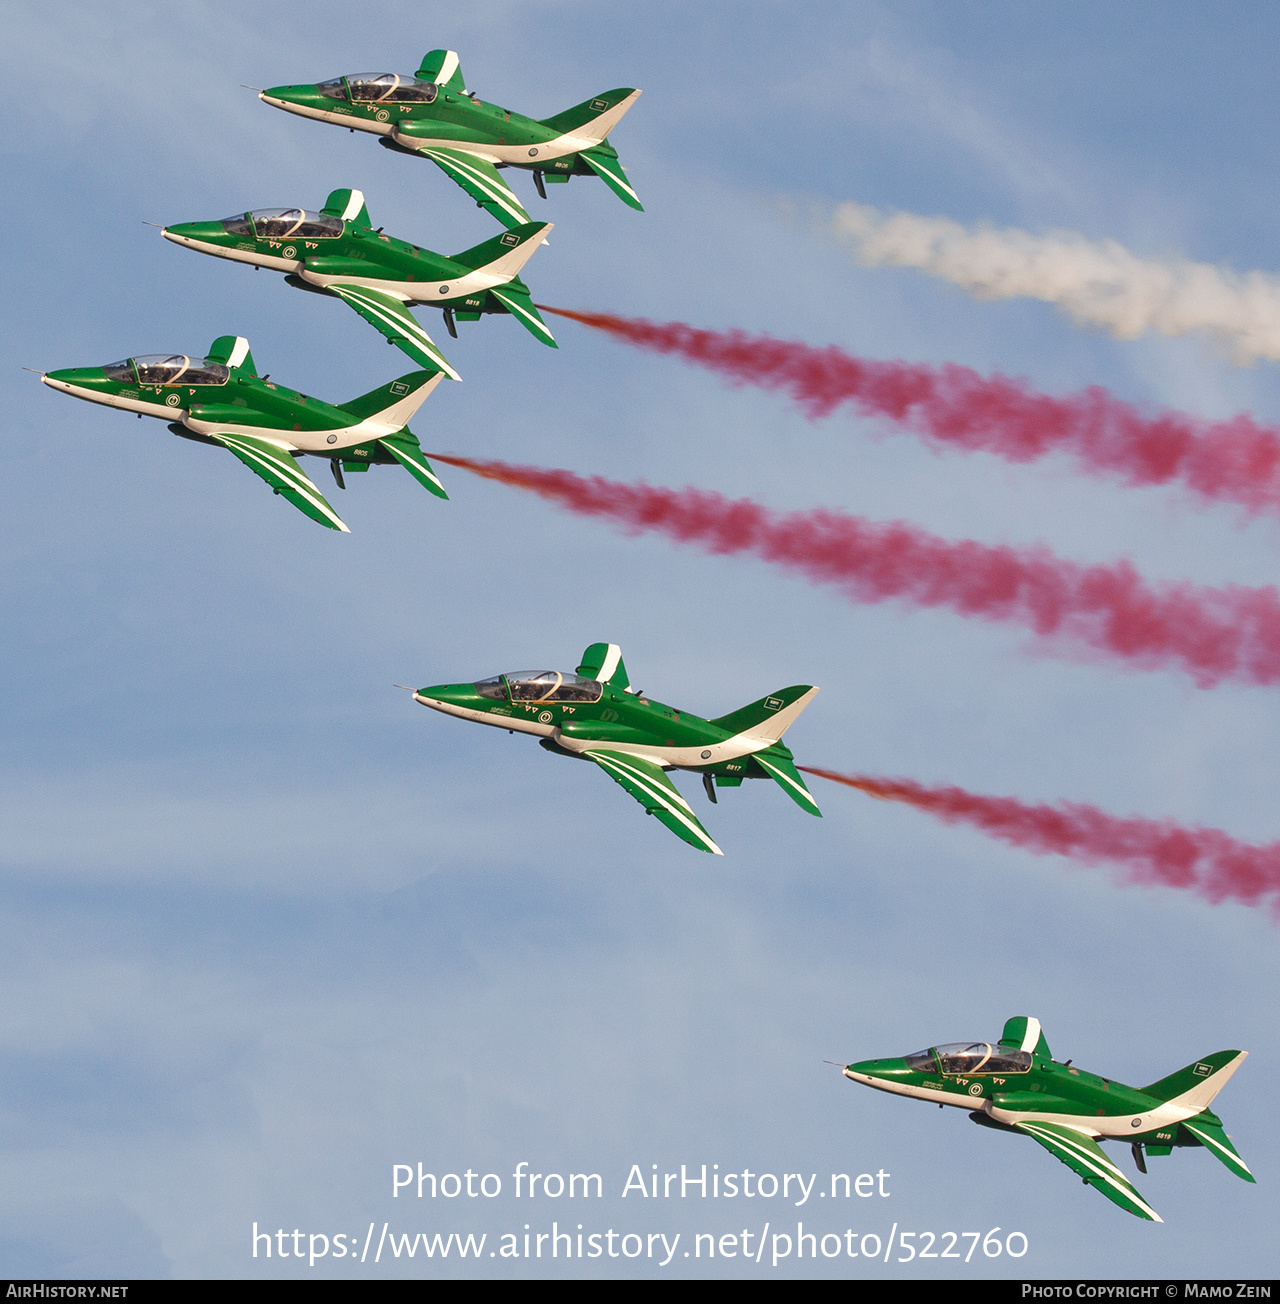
<point>593,119</point>
<point>1197,1084</point>
<point>770,717</point>
<point>505,254</point>
<point>395,402</point>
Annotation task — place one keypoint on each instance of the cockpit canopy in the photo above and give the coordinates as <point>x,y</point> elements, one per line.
<point>168,369</point>
<point>283,224</point>
<point>965,1058</point>
<point>541,686</point>
<point>380,88</point>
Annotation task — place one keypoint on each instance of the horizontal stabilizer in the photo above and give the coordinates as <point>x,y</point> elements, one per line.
<point>520,306</point>
<point>776,762</point>
<point>610,171</point>
<point>1195,1086</point>
<point>770,717</point>
<point>1217,1143</point>
<point>392,405</point>
<point>408,452</point>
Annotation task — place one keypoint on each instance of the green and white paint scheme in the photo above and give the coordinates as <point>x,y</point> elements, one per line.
<point>337,252</point>
<point>1016,1085</point>
<point>220,399</point>
<point>432,114</point>
<point>595,715</point>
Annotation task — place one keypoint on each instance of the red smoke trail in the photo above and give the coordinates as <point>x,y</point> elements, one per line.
<point>1212,634</point>
<point>1231,461</point>
<point>1207,862</point>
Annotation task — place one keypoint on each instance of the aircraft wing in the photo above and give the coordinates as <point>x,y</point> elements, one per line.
<point>397,323</point>
<point>1084,1156</point>
<point>649,785</point>
<point>480,179</point>
<point>283,474</point>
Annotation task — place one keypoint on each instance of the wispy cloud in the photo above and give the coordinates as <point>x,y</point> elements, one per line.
<point>1095,282</point>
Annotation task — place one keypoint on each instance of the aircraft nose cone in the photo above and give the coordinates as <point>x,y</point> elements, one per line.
<point>442,696</point>
<point>77,377</point>
<point>204,232</point>
<point>286,96</point>
<point>876,1068</point>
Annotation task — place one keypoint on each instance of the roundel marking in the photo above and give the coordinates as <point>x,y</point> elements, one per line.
<point>1135,1122</point>
<point>544,717</point>
<point>533,153</point>
<point>333,439</point>
<point>174,400</point>
<point>444,289</point>
<point>382,115</point>
<point>706,756</point>
<point>976,1089</point>
<point>289,252</point>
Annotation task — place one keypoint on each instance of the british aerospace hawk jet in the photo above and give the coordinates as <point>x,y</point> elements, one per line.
<point>432,114</point>
<point>1017,1086</point>
<point>221,400</point>
<point>337,252</point>
<point>594,714</point>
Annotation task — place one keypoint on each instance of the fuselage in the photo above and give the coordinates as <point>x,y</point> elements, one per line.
<point>332,251</point>
<point>231,405</point>
<point>576,715</point>
<point>1042,1091</point>
<point>418,115</point>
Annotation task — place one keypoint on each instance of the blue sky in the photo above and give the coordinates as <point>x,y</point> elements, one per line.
<point>268,928</point>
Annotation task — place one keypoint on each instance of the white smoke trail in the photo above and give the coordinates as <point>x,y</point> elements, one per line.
<point>1096,282</point>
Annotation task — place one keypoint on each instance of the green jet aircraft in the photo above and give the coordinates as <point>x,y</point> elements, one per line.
<point>433,115</point>
<point>596,715</point>
<point>221,399</point>
<point>1018,1086</point>
<point>337,252</point>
